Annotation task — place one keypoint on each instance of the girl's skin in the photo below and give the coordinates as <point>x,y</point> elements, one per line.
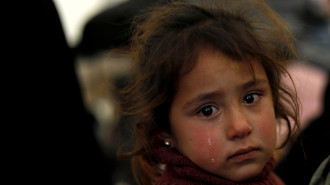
<point>222,118</point>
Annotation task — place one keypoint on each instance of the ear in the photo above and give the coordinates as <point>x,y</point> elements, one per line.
<point>167,138</point>
<point>282,132</point>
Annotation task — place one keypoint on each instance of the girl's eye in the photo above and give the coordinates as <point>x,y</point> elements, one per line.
<point>207,111</point>
<point>252,98</point>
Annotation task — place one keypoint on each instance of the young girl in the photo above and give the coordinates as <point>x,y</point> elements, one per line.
<point>207,94</point>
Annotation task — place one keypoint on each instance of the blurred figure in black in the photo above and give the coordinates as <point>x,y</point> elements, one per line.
<point>54,132</point>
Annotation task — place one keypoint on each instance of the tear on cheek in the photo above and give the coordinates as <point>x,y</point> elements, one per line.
<point>211,149</point>
<point>210,142</point>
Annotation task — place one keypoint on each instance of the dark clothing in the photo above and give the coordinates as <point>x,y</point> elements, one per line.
<point>53,135</point>
<point>322,174</point>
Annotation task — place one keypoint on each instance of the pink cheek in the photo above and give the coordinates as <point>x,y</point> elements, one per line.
<point>267,128</point>
<point>200,139</point>
<point>200,142</point>
<point>206,144</point>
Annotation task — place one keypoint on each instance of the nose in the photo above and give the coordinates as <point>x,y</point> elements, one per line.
<point>238,124</point>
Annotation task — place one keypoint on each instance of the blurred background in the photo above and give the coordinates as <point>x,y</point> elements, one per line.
<point>94,30</point>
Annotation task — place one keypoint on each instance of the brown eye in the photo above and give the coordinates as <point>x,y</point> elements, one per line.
<point>252,98</point>
<point>207,111</point>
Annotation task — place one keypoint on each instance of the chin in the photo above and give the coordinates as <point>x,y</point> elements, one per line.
<point>244,177</point>
<point>246,173</point>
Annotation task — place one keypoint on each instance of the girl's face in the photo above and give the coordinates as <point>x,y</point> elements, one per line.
<point>223,119</point>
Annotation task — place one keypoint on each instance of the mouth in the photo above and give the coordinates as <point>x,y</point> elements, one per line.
<point>244,154</point>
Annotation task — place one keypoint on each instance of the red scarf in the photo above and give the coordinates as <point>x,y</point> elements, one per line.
<point>180,170</point>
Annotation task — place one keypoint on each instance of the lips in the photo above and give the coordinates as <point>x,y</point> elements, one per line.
<point>243,154</point>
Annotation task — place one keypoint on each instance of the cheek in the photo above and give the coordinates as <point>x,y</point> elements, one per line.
<point>194,142</point>
<point>267,128</point>
<point>193,137</point>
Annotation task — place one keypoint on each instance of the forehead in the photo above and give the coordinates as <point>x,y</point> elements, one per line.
<point>214,66</point>
<point>216,61</point>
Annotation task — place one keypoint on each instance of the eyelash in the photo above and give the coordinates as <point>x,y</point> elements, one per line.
<point>252,94</point>
<point>213,108</point>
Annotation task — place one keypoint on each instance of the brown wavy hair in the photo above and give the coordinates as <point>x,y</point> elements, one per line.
<point>166,42</point>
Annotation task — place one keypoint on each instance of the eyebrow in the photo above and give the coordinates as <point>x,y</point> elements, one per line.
<point>255,82</point>
<point>202,97</point>
<point>216,94</point>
